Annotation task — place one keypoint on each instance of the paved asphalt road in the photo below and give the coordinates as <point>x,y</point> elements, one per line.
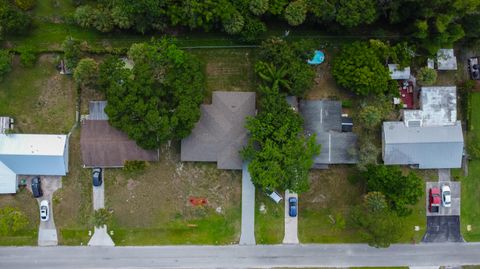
<point>236,256</point>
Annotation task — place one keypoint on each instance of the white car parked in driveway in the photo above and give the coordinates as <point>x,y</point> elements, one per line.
<point>446,196</point>
<point>44,210</point>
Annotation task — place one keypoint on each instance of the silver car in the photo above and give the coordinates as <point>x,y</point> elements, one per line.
<point>446,196</point>
<point>44,210</point>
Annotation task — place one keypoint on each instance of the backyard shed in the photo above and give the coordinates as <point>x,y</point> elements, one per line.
<point>446,59</point>
<point>397,73</point>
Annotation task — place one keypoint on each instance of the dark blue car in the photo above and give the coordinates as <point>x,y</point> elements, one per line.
<point>292,206</point>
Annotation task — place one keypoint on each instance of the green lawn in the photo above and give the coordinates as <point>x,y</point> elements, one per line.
<point>269,219</point>
<point>38,98</point>
<point>470,211</point>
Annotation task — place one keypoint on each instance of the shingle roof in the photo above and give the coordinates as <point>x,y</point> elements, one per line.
<point>220,134</point>
<point>429,147</point>
<point>324,118</point>
<point>104,146</point>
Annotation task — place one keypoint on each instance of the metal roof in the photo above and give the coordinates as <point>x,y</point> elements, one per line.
<point>446,59</point>
<point>397,74</point>
<point>8,179</point>
<point>220,133</point>
<point>438,106</point>
<point>429,147</point>
<point>32,144</point>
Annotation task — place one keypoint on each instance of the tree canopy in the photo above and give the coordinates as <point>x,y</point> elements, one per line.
<point>361,66</point>
<point>159,99</point>
<point>86,72</point>
<point>401,191</point>
<point>289,61</point>
<point>280,155</point>
<point>378,224</point>
<point>12,19</point>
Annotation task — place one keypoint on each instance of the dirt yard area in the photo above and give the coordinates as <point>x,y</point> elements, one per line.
<point>325,86</point>
<point>153,206</point>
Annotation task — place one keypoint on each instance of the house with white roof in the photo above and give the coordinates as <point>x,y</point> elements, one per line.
<point>428,138</point>
<point>31,155</point>
<point>396,73</point>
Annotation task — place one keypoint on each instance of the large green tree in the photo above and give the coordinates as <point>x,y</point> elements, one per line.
<point>353,13</point>
<point>378,224</point>
<point>279,153</point>
<point>359,69</point>
<point>400,190</point>
<point>159,99</point>
<point>86,73</point>
<point>12,19</point>
<point>290,58</point>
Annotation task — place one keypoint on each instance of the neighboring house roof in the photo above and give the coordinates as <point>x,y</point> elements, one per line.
<point>35,154</point>
<point>8,179</point>
<point>396,73</point>
<point>324,118</point>
<point>438,106</point>
<point>220,133</point>
<point>105,146</point>
<point>446,59</point>
<point>429,147</point>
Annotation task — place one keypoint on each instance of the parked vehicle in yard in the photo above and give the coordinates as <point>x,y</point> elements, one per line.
<point>292,206</point>
<point>44,210</point>
<point>434,200</point>
<point>37,187</point>
<point>446,196</point>
<point>273,195</point>
<point>97,177</point>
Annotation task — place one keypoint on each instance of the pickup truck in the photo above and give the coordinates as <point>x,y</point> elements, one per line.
<point>434,200</point>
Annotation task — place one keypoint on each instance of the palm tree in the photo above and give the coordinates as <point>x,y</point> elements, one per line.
<point>273,75</point>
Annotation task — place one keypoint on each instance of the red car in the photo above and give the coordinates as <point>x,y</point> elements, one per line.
<point>434,200</point>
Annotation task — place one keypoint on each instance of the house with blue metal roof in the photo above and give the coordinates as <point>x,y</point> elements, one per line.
<point>428,138</point>
<point>31,155</point>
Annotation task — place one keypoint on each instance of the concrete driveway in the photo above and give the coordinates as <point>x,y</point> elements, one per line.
<point>100,236</point>
<point>47,232</point>
<point>291,223</point>
<point>455,188</point>
<point>247,236</point>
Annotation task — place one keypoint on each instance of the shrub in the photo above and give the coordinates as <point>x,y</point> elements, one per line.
<point>12,220</point>
<point>27,56</point>
<point>370,117</point>
<point>86,72</point>
<point>258,7</point>
<point>252,29</point>
<point>101,217</point>
<point>25,4</point>
<point>426,76</point>
<point>85,16</point>
<point>234,24</point>
<point>134,166</point>
<point>296,12</point>
<point>5,63</point>
<point>71,49</point>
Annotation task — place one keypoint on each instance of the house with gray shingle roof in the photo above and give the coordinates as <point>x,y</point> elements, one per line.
<point>324,118</point>
<point>428,138</point>
<point>220,133</point>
